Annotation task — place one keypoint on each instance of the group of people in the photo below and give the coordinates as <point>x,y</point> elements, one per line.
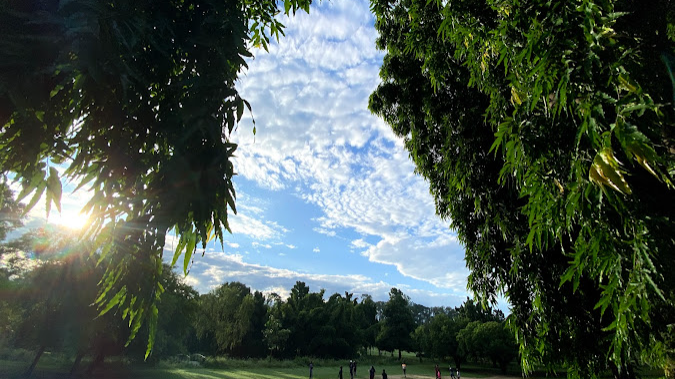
<point>352,371</point>
<point>454,372</point>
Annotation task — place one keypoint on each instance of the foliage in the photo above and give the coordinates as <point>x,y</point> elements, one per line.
<point>231,319</point>
<point>177,309</point>
<point>50,320</point>
<point>397,323</point>
<point>366,318</point>
<point>136,99</point>
<point>11,211</point>
<point>545,132</point>
<point>451,334</point>
<point>229,315</point>
<point>275,335</point>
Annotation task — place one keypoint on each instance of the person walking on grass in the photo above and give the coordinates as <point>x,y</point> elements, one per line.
<point>404,366</point>
<point>311,368</point>
<point>384,374</point>
<point>351,369</point>
<point>457,372</point>
<point>372,372</point>
<point>340,373</point>
<point>438,372</point>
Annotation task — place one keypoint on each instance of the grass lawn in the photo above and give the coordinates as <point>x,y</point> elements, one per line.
<point>323,370</point>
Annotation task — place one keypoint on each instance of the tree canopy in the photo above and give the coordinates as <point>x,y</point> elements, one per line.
<point>136,99</point>
<point>545,130</point>
<point>398,323</point>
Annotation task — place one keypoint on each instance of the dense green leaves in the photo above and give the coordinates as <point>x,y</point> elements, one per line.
<point>545,131</point>
<point>234,318</point>
<point>136,100</point>
<point>452,333</point>
<point>397,323</point>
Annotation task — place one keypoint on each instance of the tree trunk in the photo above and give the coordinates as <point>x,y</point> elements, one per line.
<point>28,372</point>
<point>399,355</point>
<point>76,364</point>
<point>97,361</point>
<point>503,366</point>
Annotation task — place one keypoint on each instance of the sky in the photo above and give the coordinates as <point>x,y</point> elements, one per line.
<point>326,193</point>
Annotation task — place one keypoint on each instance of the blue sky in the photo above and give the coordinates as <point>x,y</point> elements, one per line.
<point>326,194</point>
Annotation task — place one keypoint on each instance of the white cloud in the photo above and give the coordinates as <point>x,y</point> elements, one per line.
<point>216,268</point>
<point>441,266</point>
<point>242,224</point>
<point>190,280</point>
<point>316,250</point>
<point>324,231</point>
<point>359,244</point>
<point>317,138</point>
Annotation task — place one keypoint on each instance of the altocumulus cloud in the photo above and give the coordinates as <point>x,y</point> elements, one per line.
<point>317,140</point>
<point>217,267</point>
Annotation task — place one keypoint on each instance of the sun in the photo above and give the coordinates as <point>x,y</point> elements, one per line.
<point>71,219</point>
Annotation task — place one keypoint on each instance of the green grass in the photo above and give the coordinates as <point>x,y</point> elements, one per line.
<point>230,369</point>
<point>13,363</point>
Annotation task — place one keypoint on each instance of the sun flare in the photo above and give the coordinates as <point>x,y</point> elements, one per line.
<point>71,219</point>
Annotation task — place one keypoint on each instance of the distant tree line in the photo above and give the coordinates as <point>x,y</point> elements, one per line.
<point>48,287</point>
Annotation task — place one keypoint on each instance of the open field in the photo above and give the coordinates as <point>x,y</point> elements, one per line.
<point>253,370</point>
<point>58,366</point>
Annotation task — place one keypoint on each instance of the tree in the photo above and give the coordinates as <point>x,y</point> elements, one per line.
<point>397,324</point>
<point>10,312</point>
<point>488,341</point>
<point>10,210</point>
<point>338,334</point>
<point>229,315</point>
<point>545,132</point>
<point>435,338</point>
<point>304,315</point>
<point>136,100</point>
<point>366,312</point>
<point>499,344</point>
<point>275,335</point>
<point>50,320</point>
<point>178,308</point>
<point>477,312</point>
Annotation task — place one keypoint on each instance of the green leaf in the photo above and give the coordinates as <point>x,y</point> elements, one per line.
<point>54,189</point>
<point>115,300</point>
<point>189,250</point>
<point>152,329</point>
<point>36,197</point>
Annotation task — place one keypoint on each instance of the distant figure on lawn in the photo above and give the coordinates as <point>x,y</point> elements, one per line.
<point>340,373</point>
<point>438,372</point>
<point>404,366</point>
<point>351,369</point>
<point>372,372</point>
<point>452,372</point>
<point>311,368</point>
<point>384,374</point>
<point>458,373</point>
